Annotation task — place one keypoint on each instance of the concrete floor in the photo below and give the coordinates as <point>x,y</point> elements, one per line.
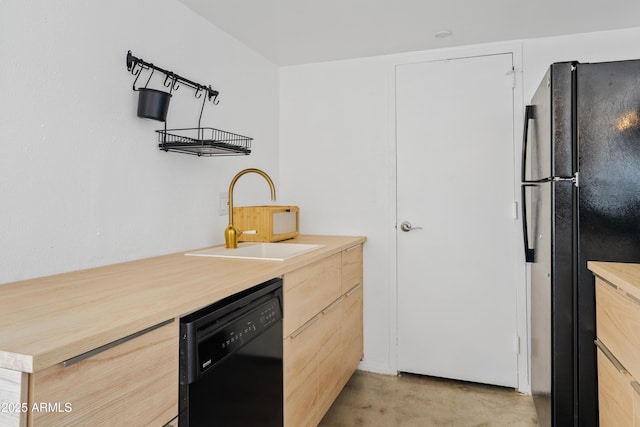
<point>374,400</point>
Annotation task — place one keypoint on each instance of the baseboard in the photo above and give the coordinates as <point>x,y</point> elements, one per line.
<point>378,368</point>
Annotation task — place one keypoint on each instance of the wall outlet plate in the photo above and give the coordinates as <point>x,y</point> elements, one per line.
<point>223,205</point>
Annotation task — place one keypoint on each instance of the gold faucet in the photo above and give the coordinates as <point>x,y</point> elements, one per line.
<point>231,234</point>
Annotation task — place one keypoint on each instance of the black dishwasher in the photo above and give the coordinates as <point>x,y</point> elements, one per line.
<point>231,361</point>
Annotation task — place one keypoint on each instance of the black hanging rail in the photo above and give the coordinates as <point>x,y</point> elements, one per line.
<point>199,141</point>
<point>171,79</point>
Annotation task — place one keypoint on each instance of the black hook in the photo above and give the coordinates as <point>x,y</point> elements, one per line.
<point>135,68</point>
<point>171,81</point>
<point>213,94</point>
<point>204,100</point>
<point>198,93</point>
<point>137,75</point>
<point>149,79</point>
<point>167,81</point>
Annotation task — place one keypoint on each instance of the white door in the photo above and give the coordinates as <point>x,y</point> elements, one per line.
<point>455,179</point>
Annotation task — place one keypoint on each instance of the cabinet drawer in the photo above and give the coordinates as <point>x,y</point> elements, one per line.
<point>351,267</point>
<point>614,394</point>
<point>618,325</point>
<point>133,383</point>
<point>308,290</point>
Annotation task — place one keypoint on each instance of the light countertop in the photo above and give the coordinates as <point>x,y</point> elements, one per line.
<point>47,320</point>
<point>625,276</point>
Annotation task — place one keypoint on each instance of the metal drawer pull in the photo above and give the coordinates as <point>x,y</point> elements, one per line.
<point>112,344</point>
<point>606,282</point>
<point>610,356</point>
<point>173,423</point>
<point>352,290</point>
<point>633,298</point>
<point>304,327</point>
<point>333,305</point>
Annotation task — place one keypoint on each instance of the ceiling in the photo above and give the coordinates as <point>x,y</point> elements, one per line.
<point>289,32</point>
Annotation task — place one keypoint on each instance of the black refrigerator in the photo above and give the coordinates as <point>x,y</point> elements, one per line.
<point>581,201</point>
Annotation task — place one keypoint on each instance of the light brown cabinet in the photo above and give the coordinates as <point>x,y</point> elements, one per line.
<point>301,375</point>
<point>323,345</point>
<point>331,355</point>
<point>310,289</point>
<point>618,331</point>
<point>133,382</point>
<point>13,397</point>
<point>352,332</point>
<point>636,403</point>
<point>615,394</point>
<point>351,267</point>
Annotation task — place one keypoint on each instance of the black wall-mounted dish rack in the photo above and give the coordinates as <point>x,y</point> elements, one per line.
<point>198,141</point>
<point>203,142</point>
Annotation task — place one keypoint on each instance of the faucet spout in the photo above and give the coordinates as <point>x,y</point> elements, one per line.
<point>231,234</point>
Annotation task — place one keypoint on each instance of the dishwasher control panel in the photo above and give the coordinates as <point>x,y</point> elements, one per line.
<point>234,335</point>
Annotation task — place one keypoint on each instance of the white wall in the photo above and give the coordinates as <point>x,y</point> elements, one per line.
<point>335,162</point>
<point>82,182</point>
<point>337,156</point>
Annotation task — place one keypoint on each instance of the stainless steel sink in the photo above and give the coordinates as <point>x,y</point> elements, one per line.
<point>264,251</point>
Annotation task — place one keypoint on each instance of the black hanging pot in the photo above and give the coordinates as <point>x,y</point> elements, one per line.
<point>153,104</point>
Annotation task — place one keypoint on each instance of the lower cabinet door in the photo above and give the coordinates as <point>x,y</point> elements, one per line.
<point>331,356</point>
<point>132,383</point>
<point>352,332</point>
<point>636,403</point>
<point>614,393</point>
<point>300,360</point>
<point>321,355</point>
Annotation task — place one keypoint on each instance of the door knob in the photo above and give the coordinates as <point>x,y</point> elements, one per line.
<point>406,226</point>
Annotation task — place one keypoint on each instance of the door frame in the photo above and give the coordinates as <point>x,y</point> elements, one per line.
<point>522,281</point>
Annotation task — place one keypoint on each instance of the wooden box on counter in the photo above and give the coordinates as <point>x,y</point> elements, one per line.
<point>267,223</point>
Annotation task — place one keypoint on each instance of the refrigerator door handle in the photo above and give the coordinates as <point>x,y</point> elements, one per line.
<point>528,116</point>
<point>529,253</point>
